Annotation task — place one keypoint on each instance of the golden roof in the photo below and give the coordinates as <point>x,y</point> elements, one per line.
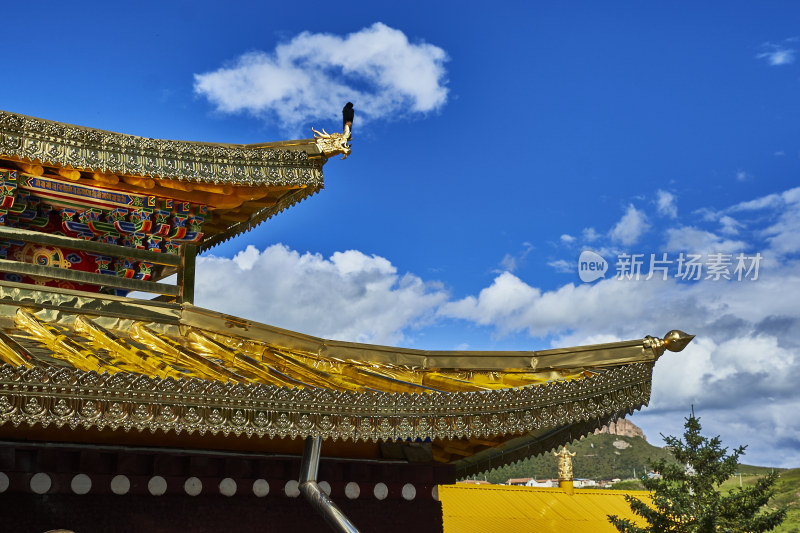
<point>479,508</point>
<point>107,363</point>
<point>81,366</point>
<point>86,149</point>
<point>243,184</point>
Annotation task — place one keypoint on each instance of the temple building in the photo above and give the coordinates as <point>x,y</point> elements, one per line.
<point>127,413</point>
<point>519,509</point>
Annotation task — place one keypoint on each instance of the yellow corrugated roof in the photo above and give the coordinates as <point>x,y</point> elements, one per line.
<point>509,509</point>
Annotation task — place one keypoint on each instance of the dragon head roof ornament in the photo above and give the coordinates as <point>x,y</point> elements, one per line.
<point>332,144</point>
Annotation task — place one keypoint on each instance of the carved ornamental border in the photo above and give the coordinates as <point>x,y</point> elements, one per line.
<point>256,219</point>
<point>74,398</point>
<point>52,143</point>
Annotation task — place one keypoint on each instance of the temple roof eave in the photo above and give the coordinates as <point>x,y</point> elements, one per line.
<point>243,184</point>
<point>91,400</point>
<point>97,362</point>
<point>255,220</point>
<point>294,162</point>
<point>598,355</point>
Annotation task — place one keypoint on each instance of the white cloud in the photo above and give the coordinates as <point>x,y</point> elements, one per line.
<point>742,382</point>
<point>777,54</point>
<point>769,201</point>
<point>741,175</point>
<point>773,438</point>
<point>630,227</point>
<point>742,369</point>
<point>578,313</point>
<point>247,258</point>
<point>311,76</point>
<point>349,296</point>
<point>792,196</point>
<point>590,235</point>
<point>511,305</point>
<point>695,240</point>
<point>730,226</point>
<point>567,239</point>
<point>562,266</point>
<point>509,263</point>
<point>784,234</point>
<point>666,204</point>
<point>496,305</point>
<point>783,211</point>
<point>740,372</point>
<point>743,364</point>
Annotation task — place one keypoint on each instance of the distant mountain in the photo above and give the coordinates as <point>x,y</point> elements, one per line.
<point>600,456</point>
<point>622,427</point>
<point>611,453</point>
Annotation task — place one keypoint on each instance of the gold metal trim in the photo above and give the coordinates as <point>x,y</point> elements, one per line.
<point>67,302</point>
<point>75,147</point>
<point>257,218</point>
<point>77,398</point>
<point>592,356</point>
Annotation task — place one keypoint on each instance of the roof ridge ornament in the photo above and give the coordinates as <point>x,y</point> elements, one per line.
<point>564,464</point>
<point>331,144</point>
<point>674,341</point>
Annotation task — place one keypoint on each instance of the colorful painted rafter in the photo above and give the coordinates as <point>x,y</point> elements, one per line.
<point>93,213</point>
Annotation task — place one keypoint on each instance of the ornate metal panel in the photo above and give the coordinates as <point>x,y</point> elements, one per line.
<point>62,145</point>
<point>75,398</point>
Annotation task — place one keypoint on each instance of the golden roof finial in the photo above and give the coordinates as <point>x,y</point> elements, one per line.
<point>674,341</point>
<point>564,464</point>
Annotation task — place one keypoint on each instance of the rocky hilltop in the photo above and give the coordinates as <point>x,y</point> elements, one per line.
<point>622,427</point>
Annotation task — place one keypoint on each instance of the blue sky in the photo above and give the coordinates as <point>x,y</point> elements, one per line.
<point>492,144</point>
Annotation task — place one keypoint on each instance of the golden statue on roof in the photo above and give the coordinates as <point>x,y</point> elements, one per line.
<point>564,464</point>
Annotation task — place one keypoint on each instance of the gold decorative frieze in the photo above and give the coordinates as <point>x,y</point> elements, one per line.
<point>76,398</point>
<point>258,218</point>
<point>61,145</point>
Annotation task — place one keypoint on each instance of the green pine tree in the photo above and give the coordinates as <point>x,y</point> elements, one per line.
<point>687,499</point>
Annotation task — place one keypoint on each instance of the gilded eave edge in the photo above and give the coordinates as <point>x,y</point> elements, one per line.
<point>285,202</point>
<point>52,143</point>
<point>535,417</point>
<point>591,356</point>
<point>75,398</point>
<point>177,319</point>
